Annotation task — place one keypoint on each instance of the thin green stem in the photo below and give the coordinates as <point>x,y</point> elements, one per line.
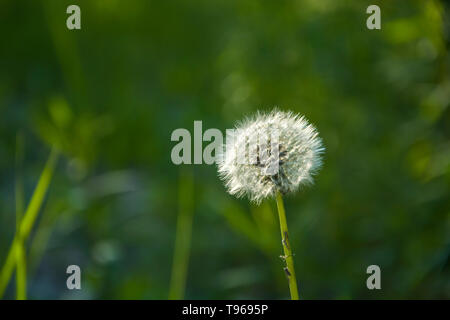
<point>21,272</point>
<point>8,267</point>
<point>288,258</point>
<point>182,237</point>
<point>19,195</point>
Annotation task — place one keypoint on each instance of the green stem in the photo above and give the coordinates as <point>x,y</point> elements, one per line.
<point>27,222</point>
<point>290,272</point>
<point>21,272</point>
<point>8,267</point>
<point>183,236</point>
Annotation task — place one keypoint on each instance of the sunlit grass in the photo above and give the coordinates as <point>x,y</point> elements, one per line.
<point>16,255</point>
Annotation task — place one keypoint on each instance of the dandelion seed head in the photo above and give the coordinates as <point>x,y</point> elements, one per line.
<point>270,152</point>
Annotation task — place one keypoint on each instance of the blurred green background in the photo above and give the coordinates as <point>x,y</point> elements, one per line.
<point>108,97</point>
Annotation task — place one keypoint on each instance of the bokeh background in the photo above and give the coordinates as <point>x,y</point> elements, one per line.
<point>108,97</point>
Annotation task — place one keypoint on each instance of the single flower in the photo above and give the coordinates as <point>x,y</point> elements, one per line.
<point>269,153</point>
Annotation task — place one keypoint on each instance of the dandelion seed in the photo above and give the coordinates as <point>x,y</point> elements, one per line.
<point>269,153</point>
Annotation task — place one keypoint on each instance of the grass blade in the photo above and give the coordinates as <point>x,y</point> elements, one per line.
<point>182,237</point>
<point>27,221</point>
<point>21,272</point>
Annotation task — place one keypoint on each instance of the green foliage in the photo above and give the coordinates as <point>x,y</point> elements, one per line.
<point>109,96</point>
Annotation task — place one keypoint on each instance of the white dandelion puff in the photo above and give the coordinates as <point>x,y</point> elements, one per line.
<point>270,152</point>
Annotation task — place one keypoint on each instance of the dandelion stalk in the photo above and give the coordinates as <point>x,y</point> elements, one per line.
<point>271,154</point>
<point>288,256</point>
